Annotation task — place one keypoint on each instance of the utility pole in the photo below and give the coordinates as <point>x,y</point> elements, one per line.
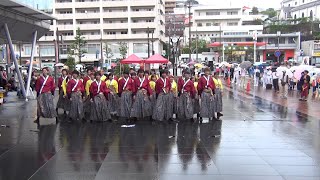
<point>189,6</point>
<point>148,44</point>
<point>101,52</point>
<point>20,59</point>
<point>196,45</point>
<point>152,43</point>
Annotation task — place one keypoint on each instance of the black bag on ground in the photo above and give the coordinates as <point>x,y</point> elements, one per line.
<point>269,86</point>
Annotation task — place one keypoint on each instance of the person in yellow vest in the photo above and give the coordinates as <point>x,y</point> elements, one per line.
<point>153,97</point>
<point>113,98</point>
<point>103,77</point>
<point>64,90</point>
<point>153,72</point>
<point>218,95</point>
<point>173,94</point>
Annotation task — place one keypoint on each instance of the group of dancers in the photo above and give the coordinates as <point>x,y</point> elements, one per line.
<point>134,96</point>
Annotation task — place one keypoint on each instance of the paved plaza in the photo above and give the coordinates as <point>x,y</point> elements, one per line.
<point>260,137</point>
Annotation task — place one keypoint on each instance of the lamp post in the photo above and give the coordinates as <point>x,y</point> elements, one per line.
<point>255,46</point>
<point>278,36</point>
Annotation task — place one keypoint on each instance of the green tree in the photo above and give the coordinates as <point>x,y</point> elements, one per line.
<point>78,45</point>
<point>270,12</point>
<point>192,2</point>
<point>255,11</point>
<point>201,45</point>
<point>107,50</point>
<point>70,62</point>
<point>123,49</point>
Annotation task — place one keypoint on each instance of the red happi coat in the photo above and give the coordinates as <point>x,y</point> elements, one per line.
<point>85,79</point>
<point>202,84</point>
<point>160,85</point>
<point>188,87</point>
<point>103,89</point>
<point>145,85</point>
<point>129,85</point>
<point>48,87</point>
<point>71,84</point>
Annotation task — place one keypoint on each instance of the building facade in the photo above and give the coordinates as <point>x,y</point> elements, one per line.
<point>104,22</point>
<point>295,9</point>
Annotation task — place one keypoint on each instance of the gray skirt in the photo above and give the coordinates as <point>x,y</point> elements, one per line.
<point>172,104</point>
<point>185,106</point>
<point>125,104</point>
<point>63,102</point>
<point>113,101</point>
<point>76,108</point>
<point>163,109</point>
<point>196,105</point>
<point>142,106</point>
<point>218,100</point>
<point>207,105</point>
<point>87,104</point>
<point>100,110</point>
<point>46,106</point>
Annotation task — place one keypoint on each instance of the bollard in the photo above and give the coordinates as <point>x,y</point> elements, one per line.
<point>248,85</point>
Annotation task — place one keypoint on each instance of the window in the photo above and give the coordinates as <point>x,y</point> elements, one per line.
<point>134,21</point>
<point>212,13</point>
<point>216,24</point>
<point>232,24</point>
<point>111,32</point>
<point>302,1</point>
<point>208,24</point>
<point>272,41</point>
<point>302,15</point>
<point>140,48</point>
<point>291,40</point>
<point>134,32</point>
<point>27,50</point>
<point>46,50</point>
<point>294,3</point>
<point>124,32</point>
<point>149,20</point>
<point>199,24</point>
<point>232,13</point>
<point>92,48</point>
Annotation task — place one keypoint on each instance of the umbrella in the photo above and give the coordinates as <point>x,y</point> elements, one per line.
<point>191,62</point>
<point>113,64</point>
<point>198,65</point>
<point>245,64</point>
<point>59,65</point>
<point>132,59</point>
<point>289,73</point>
<point>281,69</point>
<point>297,73</point>
<point>157,58</point>
<point>184,66</point>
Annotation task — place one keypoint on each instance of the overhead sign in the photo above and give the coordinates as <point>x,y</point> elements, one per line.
<point>277,53</point>
<point>316,54</point>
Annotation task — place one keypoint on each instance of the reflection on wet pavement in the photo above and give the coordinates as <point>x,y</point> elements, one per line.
<point>256,139</point>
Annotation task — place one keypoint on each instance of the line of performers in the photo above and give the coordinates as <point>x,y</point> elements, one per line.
<point>97,97</point>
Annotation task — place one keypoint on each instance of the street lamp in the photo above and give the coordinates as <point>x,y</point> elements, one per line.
<point>278,36</point>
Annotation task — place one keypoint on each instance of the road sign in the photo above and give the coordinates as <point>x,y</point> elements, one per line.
<point>277,53</point>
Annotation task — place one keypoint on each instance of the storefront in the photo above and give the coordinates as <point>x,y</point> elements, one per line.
<point>286,54</point>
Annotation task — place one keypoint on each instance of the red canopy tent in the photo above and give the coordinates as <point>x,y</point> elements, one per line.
<point>132,59</point>
<point>157,58</point>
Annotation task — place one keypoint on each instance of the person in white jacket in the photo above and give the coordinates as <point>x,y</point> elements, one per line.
<point>256,76</point>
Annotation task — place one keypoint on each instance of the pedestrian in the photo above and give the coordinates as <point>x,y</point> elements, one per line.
<point>300,82</point>
<point>243,77</point>
<point>87,103</point>
<point>186,97</point>
<point>125,90</point>
<point>88,76</point>
<point>62,101</point>
<point>141,107</point>
<point>100,110</point>
<point>256,76</point>
<point>304,91</point>
<point>3,77</point>
<point>173,95</point>
<point>206,89</point>
<point>113,98</point>
<point>162,111</point>
<point>218,95</point>
<point>75,92</point>
<point>275,81</point>
<point>232,72</point>
<point>45,88</point>
<point>196,103</point>
<point>284,85</point>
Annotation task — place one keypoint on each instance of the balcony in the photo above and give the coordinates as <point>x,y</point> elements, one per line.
<point>217,17</point>
<point>143,25</point>
<point>47,38</point>
<point>143,14</point>
<point>115,14</point>
<point>115,26</point>
<point>64,16</point>
<point>116,36</point>
<point>142,3</point>
<point>92,37</point>
<point>139,36</point>
<point>63,5</point>
<point>115,3</point>
<point>65,27</point>
<point>87,15</point>
<point>67,38</point>
<point>88,26</point>
<point>87,4</point>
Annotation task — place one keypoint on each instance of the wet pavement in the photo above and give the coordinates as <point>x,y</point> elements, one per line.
<point>257,139</point>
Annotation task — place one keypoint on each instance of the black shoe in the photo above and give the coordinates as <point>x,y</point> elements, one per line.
<point>64,112</point>
<point>57,121</point>
<point>219,114</point>
<point>37,120</point>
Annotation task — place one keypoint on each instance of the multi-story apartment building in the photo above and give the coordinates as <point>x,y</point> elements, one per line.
<point>101,22</point>
<point>295,9</point>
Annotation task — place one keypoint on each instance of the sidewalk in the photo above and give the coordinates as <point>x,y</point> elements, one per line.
<point>310,107</point>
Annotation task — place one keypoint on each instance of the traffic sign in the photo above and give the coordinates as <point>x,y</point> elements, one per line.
<point>277,53</point>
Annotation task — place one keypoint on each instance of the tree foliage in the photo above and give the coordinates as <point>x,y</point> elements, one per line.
<point>124,67</point>
<point>78,45</point>
<point>270,12</point>
<point>123,49</point>
<point>70,62</point>
<point>201,44</point>
<point>107,50</point>
<point>255,11</point>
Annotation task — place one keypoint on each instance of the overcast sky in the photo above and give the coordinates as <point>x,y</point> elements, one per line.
<point>264,4</point>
